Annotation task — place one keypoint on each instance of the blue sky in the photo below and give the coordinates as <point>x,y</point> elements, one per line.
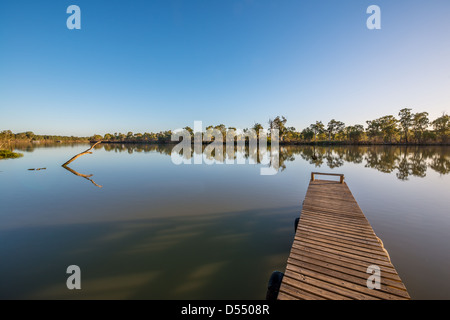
<point>160,64</point>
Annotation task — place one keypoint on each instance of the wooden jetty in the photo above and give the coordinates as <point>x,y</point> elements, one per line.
<point>335,250</point>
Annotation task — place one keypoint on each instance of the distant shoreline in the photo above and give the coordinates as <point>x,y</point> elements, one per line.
<point>292,143</point>
<point>281,143</point>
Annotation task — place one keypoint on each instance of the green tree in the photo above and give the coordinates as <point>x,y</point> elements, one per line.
<point>442,126</point>
<point>406,121</point>
<point>355,133</point>
<point>257,127</point>
<point>190,130</point>
<point>96,137</point>
<point>388,125</point>
<point>333,128</point>
<point>374,128</point>
<point>121,136</point>
<point>29,134</point>
<point>420,123</point>
<point>280,124</point>
<point>148,137</point>
<point>6,135</point>
<point>307,134</point>
<point>223,129</point>
<point>317,128</point>
<point>291,134</point>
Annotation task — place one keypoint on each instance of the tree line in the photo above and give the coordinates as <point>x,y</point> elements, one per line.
<point>29,136</point>
<point>407,128</point>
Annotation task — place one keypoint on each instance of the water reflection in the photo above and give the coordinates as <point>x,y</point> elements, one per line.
<point>86,176</point>
<point>404,161</point>
<point>154,229</point>
<point>141,259</point>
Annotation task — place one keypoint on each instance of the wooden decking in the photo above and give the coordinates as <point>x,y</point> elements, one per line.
<point>333,247</point>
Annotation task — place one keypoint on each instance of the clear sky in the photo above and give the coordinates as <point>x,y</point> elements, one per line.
<point>162,64</point>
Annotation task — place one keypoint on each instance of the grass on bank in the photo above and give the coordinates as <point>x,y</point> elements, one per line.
<point>7,154</point>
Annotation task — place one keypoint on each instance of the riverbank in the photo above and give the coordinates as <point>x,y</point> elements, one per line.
<point>7,154</point>
<point>287,143</point>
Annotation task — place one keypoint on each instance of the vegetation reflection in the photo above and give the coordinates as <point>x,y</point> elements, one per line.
<point>404,161</point>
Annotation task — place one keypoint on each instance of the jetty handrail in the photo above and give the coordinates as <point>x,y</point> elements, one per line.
<point>341,175</point>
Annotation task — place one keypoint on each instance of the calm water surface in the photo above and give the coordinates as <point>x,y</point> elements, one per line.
<point>142,227</point>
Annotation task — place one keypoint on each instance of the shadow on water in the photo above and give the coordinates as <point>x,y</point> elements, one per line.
<point>221,256</point>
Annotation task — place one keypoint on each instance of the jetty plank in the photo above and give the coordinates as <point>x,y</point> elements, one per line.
<point>333,247</point>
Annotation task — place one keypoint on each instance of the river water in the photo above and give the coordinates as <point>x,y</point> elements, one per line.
<point>140,226</point>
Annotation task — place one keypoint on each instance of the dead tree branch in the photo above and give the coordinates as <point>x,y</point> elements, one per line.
<point>82,153</point>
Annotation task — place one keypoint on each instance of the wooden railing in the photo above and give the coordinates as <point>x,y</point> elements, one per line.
<point>341,180</point>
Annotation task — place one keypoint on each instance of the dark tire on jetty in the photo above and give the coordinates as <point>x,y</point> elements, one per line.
<point>274,285</point>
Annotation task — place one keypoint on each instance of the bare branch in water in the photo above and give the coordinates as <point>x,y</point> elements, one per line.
<point>82,153</point>
<point>86,176</point>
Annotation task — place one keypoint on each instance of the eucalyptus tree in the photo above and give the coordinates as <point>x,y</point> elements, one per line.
<point>355,133</point>
<point>307,134</point>
<point>333,128</point>
<point>442,126</point>
<point>317,128</point>
<point>189,129</point>
<point>374,128</point>
<point>406,121</point>
<point>291,134</point>
<point>389,127</point>
<point>257,127</point>
<point>223,129</point>
<point>420,123</point>
<point>280,124</point>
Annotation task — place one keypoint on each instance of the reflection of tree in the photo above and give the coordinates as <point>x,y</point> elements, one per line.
<point>130,148</point>
<point>440,163</point>
<point>333,160</point>
<point>86,176</point>
<point>88,151</point>
<point>286,155</point>
<point>403,161</point>
<point>403,169</point>
<point>354,154</point>
<point>418,164</point>
<point>412,163</point>
<point>312,156</point>
<point>383,160</point>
